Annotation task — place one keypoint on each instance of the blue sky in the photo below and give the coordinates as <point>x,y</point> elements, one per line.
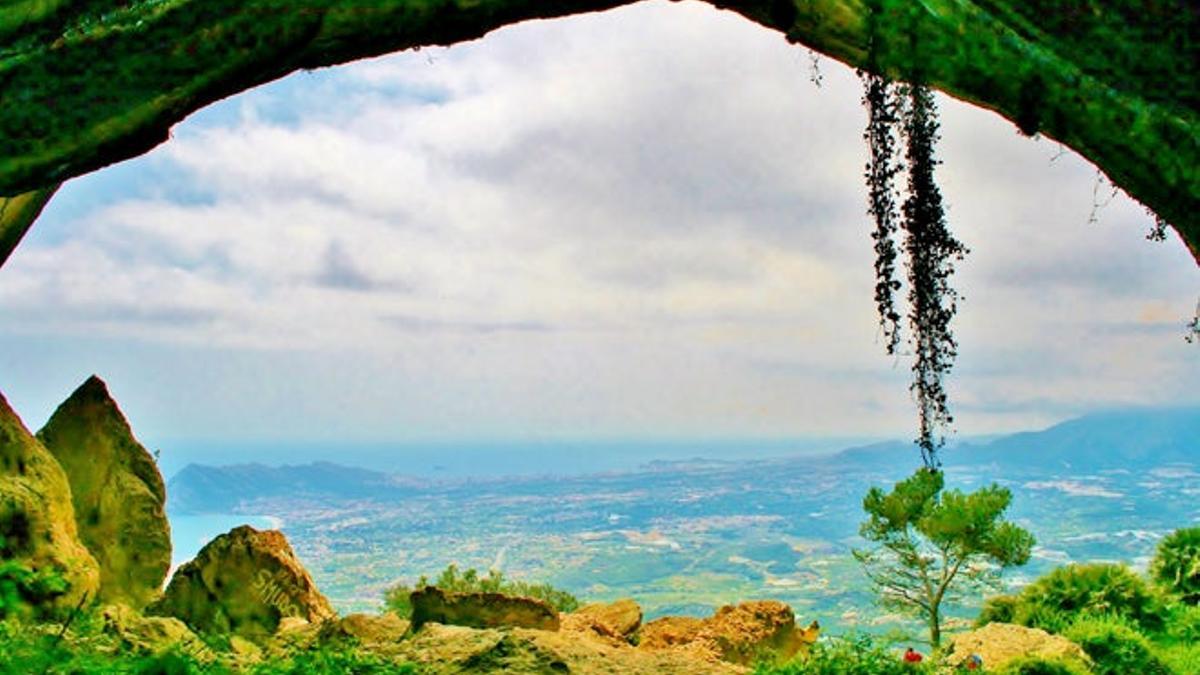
<point>642,223</point>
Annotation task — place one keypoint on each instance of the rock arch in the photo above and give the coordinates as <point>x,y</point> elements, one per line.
<point>85,83</point>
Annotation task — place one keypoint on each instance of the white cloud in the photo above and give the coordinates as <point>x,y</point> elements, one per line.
<point>645,220</point>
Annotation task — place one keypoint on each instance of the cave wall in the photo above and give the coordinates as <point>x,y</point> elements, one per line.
<point>85,83</point>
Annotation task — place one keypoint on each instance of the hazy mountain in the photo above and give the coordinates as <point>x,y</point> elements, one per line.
<point>1120,439</point>
<point>219,489</point>
<point>1116,439</point>
<point>1108,440</point>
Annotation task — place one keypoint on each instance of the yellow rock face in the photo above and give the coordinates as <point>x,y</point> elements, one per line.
<point>618,620</point>
<point>441,649</point>
<point>37,520</point>
<point>742,634</point>
<point>117,492</point>
<point>244,582</point>
<point>999,643</point>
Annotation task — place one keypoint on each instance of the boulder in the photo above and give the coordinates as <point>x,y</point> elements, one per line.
<point>243,583</point>
<point>117,493</point>
<point>670,631</point>
<point>746,632</point>
<point>618,620</point>
<point>153,634</point>
<point>743,634</point>
<point>999,643</point>
<point>37,520</point>
<point>444,650</point>
<point>365,629</point>
<point>480,610</point>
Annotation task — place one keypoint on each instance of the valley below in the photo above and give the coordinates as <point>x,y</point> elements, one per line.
<point>685,537</point>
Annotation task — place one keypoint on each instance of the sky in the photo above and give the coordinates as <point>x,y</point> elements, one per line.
<point>643,223</point>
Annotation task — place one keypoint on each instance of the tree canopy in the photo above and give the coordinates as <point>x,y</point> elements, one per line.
<point>931,546</point>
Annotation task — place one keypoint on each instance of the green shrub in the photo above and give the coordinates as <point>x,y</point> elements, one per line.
<point>397,600</point>
<point>849,655</point>
<point>1116,647</point>
<point>23,590</point>
<point>1183,623</point>
<point>1049,619</point>
<point>1182,658</point>
<point>1036,665</point>
<point>998,609</point>
<point>1092,588</point>
<point>1176,564</point>
<point>27,648</point>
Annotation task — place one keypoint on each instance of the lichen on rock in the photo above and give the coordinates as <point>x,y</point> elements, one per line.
<point>117,492</point>
<point>243,583</point>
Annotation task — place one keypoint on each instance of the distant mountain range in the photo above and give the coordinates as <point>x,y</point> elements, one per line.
<point>1110,440</point>
<point>219,489</point>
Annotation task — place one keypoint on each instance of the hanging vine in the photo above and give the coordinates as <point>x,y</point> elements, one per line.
<point>931,251</point>
<point>882,104</point>
<point>908,113</point>
<point>882,167</point>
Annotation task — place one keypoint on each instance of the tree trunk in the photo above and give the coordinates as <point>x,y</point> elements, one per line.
<point>935,627</point>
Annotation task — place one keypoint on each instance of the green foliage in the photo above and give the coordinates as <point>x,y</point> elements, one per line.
<point>396,598</point>
<point>1036,665</point>
<point>997,609</point>
<point>30,648</point>
<point>933,545</point>
<point>854,654</point>
<point>1182,658</point>
<point>1183,623</point>
<point>1176,564</point>
<point>23,590</point>
<point>87,650</point>
<point>1116,647</point>
<point>1090,588</point>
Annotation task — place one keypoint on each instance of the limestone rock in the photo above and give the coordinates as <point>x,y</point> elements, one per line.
<point>244,583</point>
<point>742,634</point>
<point>294,634</point>
<point>366,629</point>
<point>243,653</point>
<point>37,520</point>
<point>480,610</point>
<point>117,492</point>
<point>747,631</point>
<point>442,650</point>
<point>618,620</point>
<point>153,634</point>
<point>670,631</point>
<point>999,643</point>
